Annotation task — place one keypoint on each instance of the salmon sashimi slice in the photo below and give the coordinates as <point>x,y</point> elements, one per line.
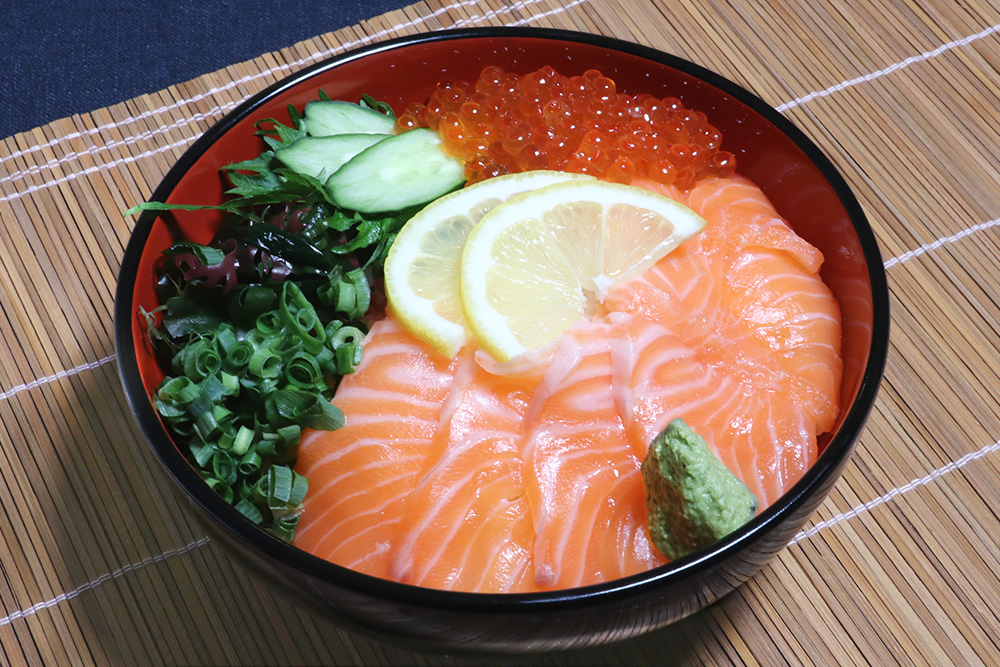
<point>746,295</point>
<point>361,475</point>
<point>467,525</point>
<point>472,475</point>
<point>683,295</point>
<point>765,438</point>
<point>782,321</point>
<point>785,328</point>
<point>681,291</point>
<point>582,478</point>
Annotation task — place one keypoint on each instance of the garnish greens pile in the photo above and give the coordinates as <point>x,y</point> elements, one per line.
<point>257,327</point>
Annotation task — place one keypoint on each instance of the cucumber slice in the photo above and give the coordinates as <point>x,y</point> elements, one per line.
<point>404,170</point>
<point>320,157</point>
<point>325,118</point>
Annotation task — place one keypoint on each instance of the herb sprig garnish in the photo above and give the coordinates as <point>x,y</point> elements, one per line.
<point>257,327</point>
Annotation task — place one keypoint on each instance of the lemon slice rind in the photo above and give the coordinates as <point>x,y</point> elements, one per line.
<point>422,266</point>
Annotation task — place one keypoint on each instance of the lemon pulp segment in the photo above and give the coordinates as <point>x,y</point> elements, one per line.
<point>422,268</point>
<point>536,263</point>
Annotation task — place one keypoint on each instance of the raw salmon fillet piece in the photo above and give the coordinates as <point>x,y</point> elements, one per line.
<point>361,475</point>
<point>476,476</point>
<point>467,525</point>
<point>746,294</point>
<point>581,473</point>
<point>423,483</point>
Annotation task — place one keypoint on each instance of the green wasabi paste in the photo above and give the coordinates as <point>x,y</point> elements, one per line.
<point>692,499</point>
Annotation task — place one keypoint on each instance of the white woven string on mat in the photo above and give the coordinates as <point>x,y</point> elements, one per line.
<point>18,175</point>
<point>281,67</point>
<point>284,68</point>
<point>927,55</point>
<point>860,509</point>
<point>131,567</point>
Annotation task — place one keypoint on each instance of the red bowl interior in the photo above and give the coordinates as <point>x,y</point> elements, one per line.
<point>399,76</point>
<point>805,188</point>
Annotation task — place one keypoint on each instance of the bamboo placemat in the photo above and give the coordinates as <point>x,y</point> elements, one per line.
<point>900,564</point>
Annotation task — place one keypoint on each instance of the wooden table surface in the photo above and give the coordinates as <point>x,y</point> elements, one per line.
<point>899,565</point>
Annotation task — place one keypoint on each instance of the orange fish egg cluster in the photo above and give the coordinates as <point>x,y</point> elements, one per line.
<point>505,123</point>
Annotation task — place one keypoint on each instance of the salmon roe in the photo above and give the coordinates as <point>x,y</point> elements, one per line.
<point>505,123</point>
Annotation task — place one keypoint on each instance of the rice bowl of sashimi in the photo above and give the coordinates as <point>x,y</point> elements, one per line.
<point>503,339</point>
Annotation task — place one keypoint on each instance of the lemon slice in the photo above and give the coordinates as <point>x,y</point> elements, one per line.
<point>422,267</point>
<point>540,261</point>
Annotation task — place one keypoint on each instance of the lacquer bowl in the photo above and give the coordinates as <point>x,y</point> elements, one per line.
<point>801,182</point>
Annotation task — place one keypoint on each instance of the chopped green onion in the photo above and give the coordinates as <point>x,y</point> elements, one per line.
<point>212,389</point>
<point>257,492</point>
<point>266,446</point>
<point>237,357</point>
<point>327,362</point>
<point>202,454</point>
<point>348,335</point>
<point>348,357</point>
<point>200,406</point>
<point>303,371</point>
<point>250,511</point>
<point>222,488</point>
<point>282,531</point>
<point>168,409</point>
<point>269,324</point>
<point>225,440</point>
<point>265,363</point>
<point>286,488</point>
<point>222,414</point>
<point>230,382</point>
<point>346,344</point>
<point>250,463</point>
<point>300,317</point>
<point>224,466</point>
<point>290,435</point>
<point>245,305</point>
<point>243,440</point>
<point>349,293</point>
<point>179,390</point>
<point>206,425</point>
<point>225,337</point>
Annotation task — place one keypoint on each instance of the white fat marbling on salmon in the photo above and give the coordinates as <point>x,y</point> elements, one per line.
<point>469,474</point>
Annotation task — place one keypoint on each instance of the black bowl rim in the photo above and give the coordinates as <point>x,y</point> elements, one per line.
<point>828,463</point>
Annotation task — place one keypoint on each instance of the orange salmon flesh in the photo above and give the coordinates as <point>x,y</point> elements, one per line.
<point>466,474</point>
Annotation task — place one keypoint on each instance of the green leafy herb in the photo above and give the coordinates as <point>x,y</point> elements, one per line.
<point>381,107</point>
<point>257,327</point>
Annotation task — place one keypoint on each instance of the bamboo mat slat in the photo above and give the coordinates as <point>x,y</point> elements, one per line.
<point>899,565</point>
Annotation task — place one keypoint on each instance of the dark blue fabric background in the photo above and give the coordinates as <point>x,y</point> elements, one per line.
<point>60,57</point>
